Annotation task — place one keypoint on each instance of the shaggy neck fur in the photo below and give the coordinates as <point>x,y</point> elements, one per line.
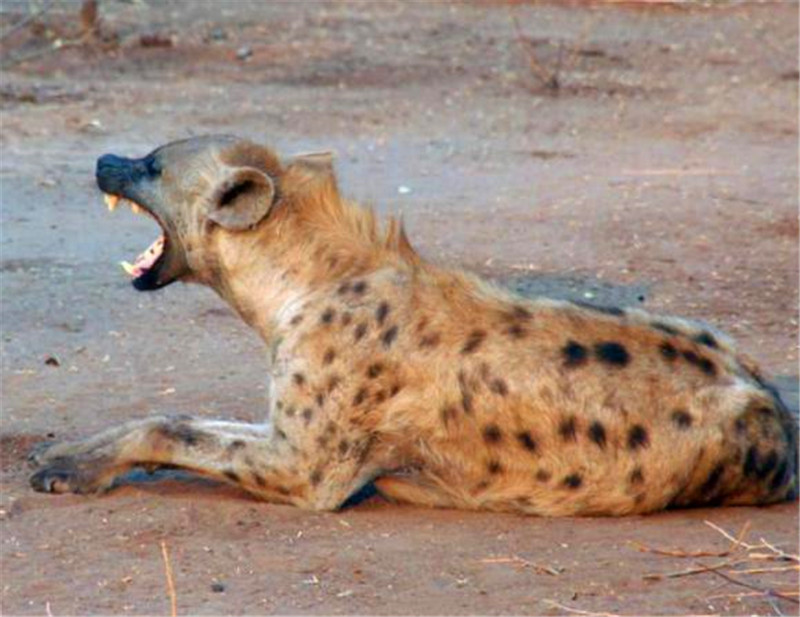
<point>311,239</point>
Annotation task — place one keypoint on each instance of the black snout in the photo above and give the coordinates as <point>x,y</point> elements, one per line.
<point>117,175</point>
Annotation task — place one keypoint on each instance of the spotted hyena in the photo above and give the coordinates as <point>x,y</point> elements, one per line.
<point>443,389</point>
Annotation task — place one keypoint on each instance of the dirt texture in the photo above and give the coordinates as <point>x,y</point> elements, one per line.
<point>639,153</point>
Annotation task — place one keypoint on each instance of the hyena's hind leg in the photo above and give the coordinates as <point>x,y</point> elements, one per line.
<point>259,459</point>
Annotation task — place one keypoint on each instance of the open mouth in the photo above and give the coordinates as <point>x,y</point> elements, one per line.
<point>144,268</point>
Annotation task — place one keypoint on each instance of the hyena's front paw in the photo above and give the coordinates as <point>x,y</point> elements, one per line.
<point>69,475</point>
<point>38,454</point>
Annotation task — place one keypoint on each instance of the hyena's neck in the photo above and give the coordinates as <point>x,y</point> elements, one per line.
<point>269,282</point>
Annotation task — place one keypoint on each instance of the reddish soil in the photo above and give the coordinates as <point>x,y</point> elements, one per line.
<point>665,162</point>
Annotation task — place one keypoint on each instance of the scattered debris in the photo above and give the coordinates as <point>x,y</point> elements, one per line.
<point>217,587</point>
<point>52,361</point>
<point>243,53</point>
<point>155,39</point>
<point>524,563</point>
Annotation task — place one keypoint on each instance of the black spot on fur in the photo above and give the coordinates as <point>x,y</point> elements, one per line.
<point>707,339</point>
<point>574,354</point>
<point>333,383</point>
<point>597,433</point>
<point>606,310</point>
<point>712,481</point>
<point>498,386</point>
<point>526,441</point>
<point>361,330</point>
<point>704,364</point>
<point>290,411</point>
<point>494,467</point>
<point>182,433</point>
<point>637,476</point>
<point>448,413</point>
<point>360,396</point>
<point>316,477</point>
<point>682,419</point>
<point>231,475</point>
<point>638,437</point>
<point>330,356</point>
<point>374,369</point>
<point>466,402</point>
<point>665,328</point>
<point>520,312</point>
<point>280,434</point>
<point>296,319</point>
<point>299,379</point>
<point>258,479</point>
<point>389,336</point>
<point>343,288</point>
<point>516,331</point>
<point>394,390</point>
<point>347,317</point>
<point>542,475</point>
<point>573,481</point>
<point>327,316</point>
<point>492,434</point>
<point>668,351</point>
<point>359,287</point>
<point>751,461</point>
<point>344,446</point>
<point>430,340</point>
<point>568,429</point>
<point>473,341</point>
<point>320,399</point>
<point>382,312</point>
<point>611,353</point>
<point>308,413</point>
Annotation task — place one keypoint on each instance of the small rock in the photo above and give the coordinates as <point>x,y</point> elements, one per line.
<point>217,34</point>
<point>403,190</point>
<point>243,53</point>
<point>217,587</point>
<point>52,361</point>
<point>155,39</point>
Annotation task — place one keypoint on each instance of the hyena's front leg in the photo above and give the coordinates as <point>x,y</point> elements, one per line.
<point>257,458</point>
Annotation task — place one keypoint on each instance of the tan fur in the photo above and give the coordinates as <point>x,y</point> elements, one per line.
<point>448,390</point>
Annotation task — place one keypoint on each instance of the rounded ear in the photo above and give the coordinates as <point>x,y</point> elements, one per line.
<point>242,199</point>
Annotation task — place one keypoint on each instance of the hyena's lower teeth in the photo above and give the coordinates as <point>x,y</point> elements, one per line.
<point>111,201</point>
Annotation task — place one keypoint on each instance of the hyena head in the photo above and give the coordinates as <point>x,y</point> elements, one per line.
<point>200,191</point>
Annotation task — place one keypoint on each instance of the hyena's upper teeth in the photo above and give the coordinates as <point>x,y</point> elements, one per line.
<point>111,201</point>
<point>136,208</point>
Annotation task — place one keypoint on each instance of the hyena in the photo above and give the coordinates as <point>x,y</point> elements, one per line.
<point>442,389</point>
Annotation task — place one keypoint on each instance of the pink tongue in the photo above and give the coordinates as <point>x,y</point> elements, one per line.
<point>146,260</point>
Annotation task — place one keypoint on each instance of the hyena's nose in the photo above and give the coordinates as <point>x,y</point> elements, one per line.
<point>113,173</point>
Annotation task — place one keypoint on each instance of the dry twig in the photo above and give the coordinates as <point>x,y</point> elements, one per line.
<point>173,598</point>
<point>578,611</point>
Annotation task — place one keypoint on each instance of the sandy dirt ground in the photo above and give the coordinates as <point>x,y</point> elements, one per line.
<point>662,171</point>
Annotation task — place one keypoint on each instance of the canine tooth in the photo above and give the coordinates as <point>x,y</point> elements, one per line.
<point>127,266</point>
<point>136,208</point>
<point>111,201</point>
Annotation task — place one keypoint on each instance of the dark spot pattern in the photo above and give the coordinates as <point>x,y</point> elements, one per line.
<point>612,353</point>
<point>316,477</point>
<point>573,481</point>
<point>682,419</point>
<point>473,342</point>
<point>781,476</point>
<point>494,467</point>
<point>374,370</point>
<point>668,351</point>
<point>542,475</point>
<point>430,340</point>
<point>299,379</point>
<point>637,476</point>
<point>382,312</point>
<point>329,357</point>
<point>343,447</point>
<point>526,441</point>
<point>296,319</point>
<point>308,413</point>
<point>236,444</point>
<point>498,386</point>
<point>574,354</point>
<point>320,399</point>
<point>258,479</point>
<point>333,383</point>
<point>704,364</point>
<point>707,339</point>
<point>448,414</point>
<point>360,396</point>
<point>638,437</point>
<point>568,429</point>
<point>361,330</point>
<point>597,433</point>
<point>231,475</point>
<point>359,287</point>
<point>347,317</point>
<point>389,336</point>
<point>182,433</point>
<point>492,434</point>
<point>343,288</point>
<point>327,316</point>
<point>516,331</point>
<point>712,481</point>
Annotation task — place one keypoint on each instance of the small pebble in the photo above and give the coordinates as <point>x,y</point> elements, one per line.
<point>243,53</point>
<point>217,587</point>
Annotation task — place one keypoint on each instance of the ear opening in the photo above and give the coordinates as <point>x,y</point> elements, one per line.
<point>241,200</point>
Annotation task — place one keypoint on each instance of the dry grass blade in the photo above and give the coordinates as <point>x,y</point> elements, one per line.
<point>578,611</point>
<point>736,543</point>
<point>173,598</point>
<point>767,592</point>
<point>700,569</point>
